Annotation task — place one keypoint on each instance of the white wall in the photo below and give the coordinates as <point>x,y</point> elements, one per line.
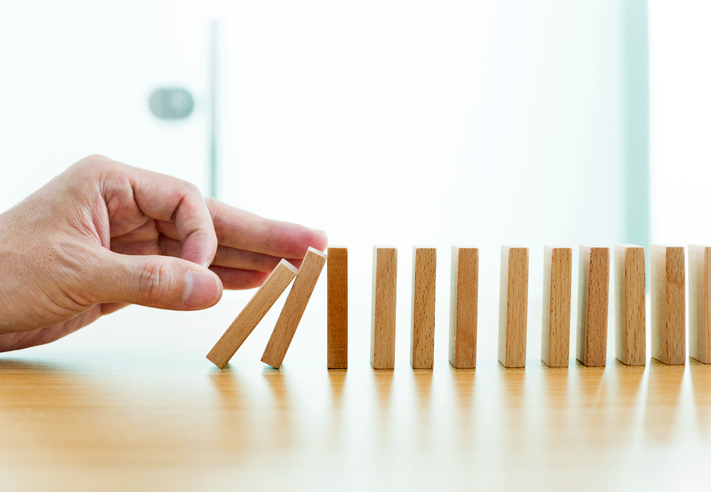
<point>431,122</point>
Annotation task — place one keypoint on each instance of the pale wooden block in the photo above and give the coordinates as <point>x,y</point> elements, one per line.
<point>382,339</point>
<point>337,308</point>
<point>513,306</point>
<point>424,271</point>
<point>668,304</point>
<point>252,314</point>
<point>557,285</point>
<point>294,308</point>
<point>630,321</point>
<point>593,300</point>
<point>700,303</point>
<point>463,304</point>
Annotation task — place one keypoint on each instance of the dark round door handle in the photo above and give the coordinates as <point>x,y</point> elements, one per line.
<point>171,103</point>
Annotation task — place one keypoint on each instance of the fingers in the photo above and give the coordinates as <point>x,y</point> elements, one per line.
<point>155,281</point>
<point>246,231</point>
<point>170,199</point>
<point>225,256</point>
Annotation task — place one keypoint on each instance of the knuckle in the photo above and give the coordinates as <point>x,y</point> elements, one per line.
<point>154,281</point>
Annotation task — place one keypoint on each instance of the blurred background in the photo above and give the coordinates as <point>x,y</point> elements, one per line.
<point>383,122</point>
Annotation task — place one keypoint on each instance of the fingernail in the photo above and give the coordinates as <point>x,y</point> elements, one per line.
<point>201,289</point>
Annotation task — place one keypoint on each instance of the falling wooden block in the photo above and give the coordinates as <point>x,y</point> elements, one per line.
<point>668,304</point>
<point>557,285</point>
<point>593,299</point>
<point>252,314</point>
<point>294,307</point>
<point>513,306</point>
<point>630,322</point>
<point>382,339</point>
<point>463,307</point>
<point>700,303</point>
<point>424,270</point>
<point>337,310</point>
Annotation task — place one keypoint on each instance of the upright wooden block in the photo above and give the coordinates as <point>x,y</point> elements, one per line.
<point>513,306</point>
<point>700,303</point>
<point>668,304</point>
<point>294,308</point>
<point>252,314</point>
<point>424,271</point>
<point>557,285</point>
<point>463,304</point>
<point>337,310</point>
<point>382,335</point>
<point>630,322</point>
<point>593,299</point>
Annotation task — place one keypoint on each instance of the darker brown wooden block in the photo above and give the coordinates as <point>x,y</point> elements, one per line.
<point>463,304</point>
<point>424,273</point>
<point>513,306</point>
<point>668,304</point>
<point>630,309</point>
<point>557,280</point>
<point>593,299</point>
<point>337,308</point>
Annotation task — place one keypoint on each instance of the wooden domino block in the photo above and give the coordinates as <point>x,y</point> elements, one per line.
<point>513,306</point>
<point>630,322</point>
<point>593,299</point>
<point>668,304</point>
<point>424,270</point>
<point>700,303</point>
<point>294,308</point>
<point>382,335</point>
<point>337,310</point>
<point>252,314</point>
<point>463,307</point>
<point>557,284</point>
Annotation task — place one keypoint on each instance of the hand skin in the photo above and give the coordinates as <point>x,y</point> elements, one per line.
<point>103,235</point>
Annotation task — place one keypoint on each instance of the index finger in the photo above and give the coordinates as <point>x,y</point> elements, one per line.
<point>170,199</point>
<point>247,231</point>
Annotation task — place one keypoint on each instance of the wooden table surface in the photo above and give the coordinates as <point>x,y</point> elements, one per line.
<point>131,403</point>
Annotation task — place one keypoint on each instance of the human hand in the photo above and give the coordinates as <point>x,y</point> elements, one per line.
<point>103,235</point>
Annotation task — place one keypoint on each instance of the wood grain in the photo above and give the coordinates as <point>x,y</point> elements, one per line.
<point>424,273</point>
<point>463,306</point>
<point>513,306</point>
<point>668,304</point>
<point>294,308</point>
<point>252,314</point>
<point>700,303</point>
<point>557,286</point>
<point>593,299</point>
<point>630,309</point>
<point>337,308</point>
<point>382,335</point>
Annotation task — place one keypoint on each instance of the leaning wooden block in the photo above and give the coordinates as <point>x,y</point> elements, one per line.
<point>513,306</point>
<point>668,304</point>
<point>382,335</point>
<point>337,310</point>
<point>593,298</point>
<point>294,308</point>
<point>700,303</point>
<point>424,270</point>
<point>252,313</point>
<point>557,280</point>
<point>463,307</point>
<point>630,322</point>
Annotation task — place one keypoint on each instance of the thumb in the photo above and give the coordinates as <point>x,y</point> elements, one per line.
<point>156,281</point>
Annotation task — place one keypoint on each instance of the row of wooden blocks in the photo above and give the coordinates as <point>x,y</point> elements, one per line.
<point>667,297</point>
